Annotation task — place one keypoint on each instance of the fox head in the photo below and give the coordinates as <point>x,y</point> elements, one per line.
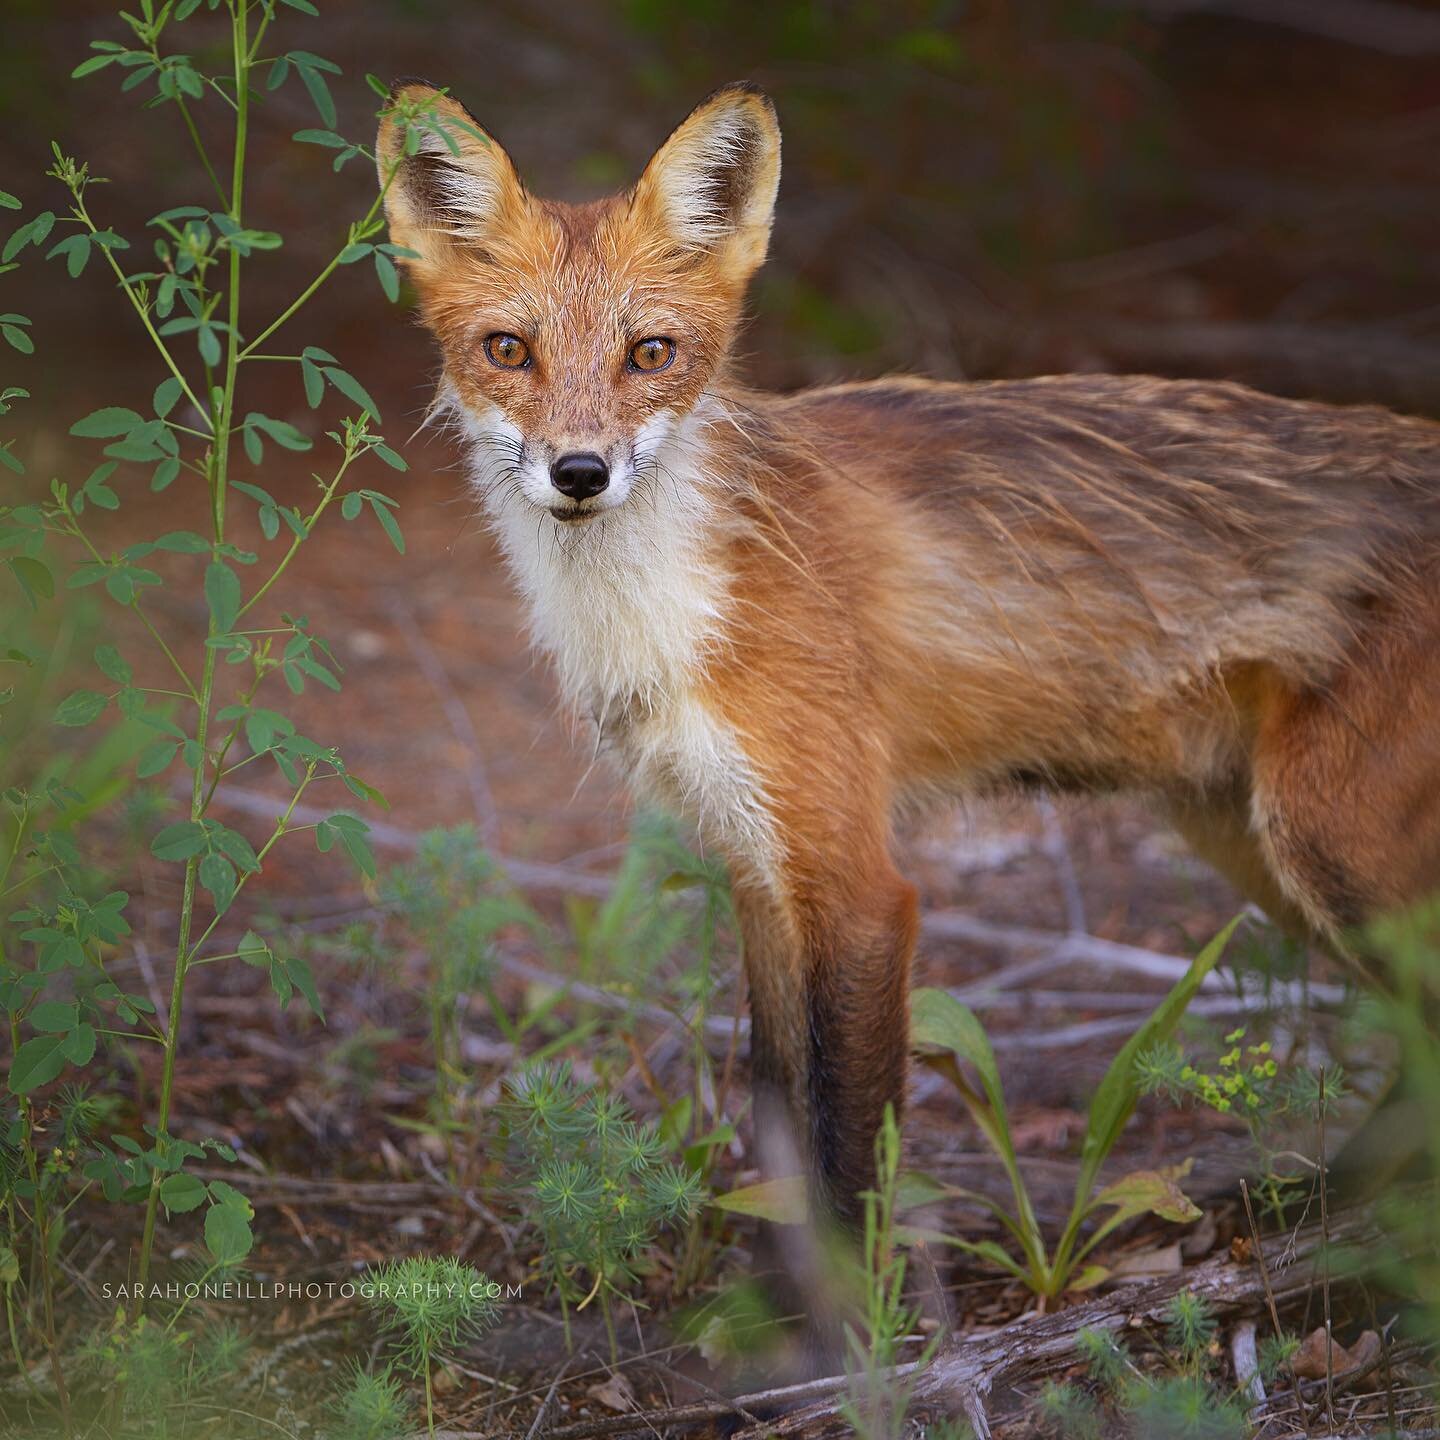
<point>577,339</point>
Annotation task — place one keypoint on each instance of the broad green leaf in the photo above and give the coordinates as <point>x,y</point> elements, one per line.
<point>80,708</point>
<point>34,577</point>
<point>155,758</point>
<point>182,1192</point>
<point>113,665</point>
<point>253,950</point>
<point>1150,1192</point>
<point>79,1045</point>
<point>227,1231</point>
<point>352,389</point>
<point>217,875</point>
<point>179,841</point>
<point>237,847</point>
<point>36,1063</point>
<point>304,981</point>
<point>167,393</point>
<point>183,542</point>
<point>55,1017</point>
<point>222,591</point>
<point>103,424</point>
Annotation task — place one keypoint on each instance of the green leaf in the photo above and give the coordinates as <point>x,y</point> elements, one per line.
<point>183,542</point>
<point>280,431</point>
<point>18,339</point>
<point>237,847</point>
<point>1117,1093</point>
<point>36,1063</point>
<point>179,841</point>
<point>34,577</point>
<point>103,424</point>
<point>182,1192</point>
<point>80,708</point>
<point>155,758</point>
<point>389,280</point>
<point>167,395</point>
<point>1150,1192</point>
<point>253,950</point>
<point>299,970</point>
<point>388,525</point>
<point>165,473</point>
<point>217,875</point>
<point>314,82</point>
<point>321,137</point>
<point>351,505</point>
<point>76,250</point>
<point>78,1046</point>
<point>782,1201</point>
<point>222,591</point>
<point>112,664</point>
<point>55,1017</point>
<point>227,1230</point>
<point>314,381</point>
<point>352,389</point>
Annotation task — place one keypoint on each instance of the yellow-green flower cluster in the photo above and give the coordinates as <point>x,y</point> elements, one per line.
<point>1239,1081</point>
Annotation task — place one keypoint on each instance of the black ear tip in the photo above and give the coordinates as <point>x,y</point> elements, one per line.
<point>741,87</point>
<point>407,82</point>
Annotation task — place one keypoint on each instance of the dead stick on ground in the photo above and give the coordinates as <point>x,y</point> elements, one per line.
<point>1325,1266</point>
<point>1025,1351</point>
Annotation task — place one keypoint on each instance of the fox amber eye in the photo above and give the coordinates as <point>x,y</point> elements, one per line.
<point>509,352</point>
<point>652,354</point>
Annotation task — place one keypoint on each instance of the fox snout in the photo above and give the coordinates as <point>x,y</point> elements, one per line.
<point>580,475</point>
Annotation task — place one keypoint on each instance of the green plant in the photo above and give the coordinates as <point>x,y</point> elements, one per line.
<point>876,1404</point>
<point>197,702</point>
<point>371,1407</point>
<point>600,1185</point>
<point>1250,1084</point>
<point>1182,1401</point>
<point>947,1033</point>
<point>452,900</point>
<point>427,1307</point>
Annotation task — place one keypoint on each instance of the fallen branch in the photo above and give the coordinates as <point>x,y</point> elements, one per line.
<point>975,1366</point>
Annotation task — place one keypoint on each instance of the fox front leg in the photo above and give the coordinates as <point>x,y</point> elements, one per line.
<point>828,969</point>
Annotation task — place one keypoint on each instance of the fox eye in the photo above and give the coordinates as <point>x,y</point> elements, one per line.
<point>509,352</point>
<point>652,354</point>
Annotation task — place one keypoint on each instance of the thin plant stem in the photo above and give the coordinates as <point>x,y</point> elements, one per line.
<point>219,460</point>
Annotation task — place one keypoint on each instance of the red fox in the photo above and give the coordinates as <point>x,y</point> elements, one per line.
<point>791,617</point>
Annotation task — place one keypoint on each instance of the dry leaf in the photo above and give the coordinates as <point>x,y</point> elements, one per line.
<point>614,1393</point>
<point>1146,1265</point>
<point>1308,1362</point>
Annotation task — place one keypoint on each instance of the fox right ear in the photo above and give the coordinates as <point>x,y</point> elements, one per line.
<point>445,181</point>
<point>711,186</point>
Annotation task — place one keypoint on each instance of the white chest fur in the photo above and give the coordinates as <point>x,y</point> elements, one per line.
<point>629,606</point>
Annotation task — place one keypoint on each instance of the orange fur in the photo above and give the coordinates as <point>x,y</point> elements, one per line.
<point>793,616</point>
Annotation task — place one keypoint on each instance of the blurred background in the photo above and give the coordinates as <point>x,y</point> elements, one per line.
<point>1244,188</point>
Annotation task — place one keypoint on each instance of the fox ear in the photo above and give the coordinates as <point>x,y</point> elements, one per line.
<point>712,184</point>
<point>446,182</point>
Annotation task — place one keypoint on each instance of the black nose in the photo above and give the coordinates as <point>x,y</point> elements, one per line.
<point>580,476</point>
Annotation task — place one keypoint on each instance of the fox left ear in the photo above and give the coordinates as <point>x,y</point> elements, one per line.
<point>712,184</point>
